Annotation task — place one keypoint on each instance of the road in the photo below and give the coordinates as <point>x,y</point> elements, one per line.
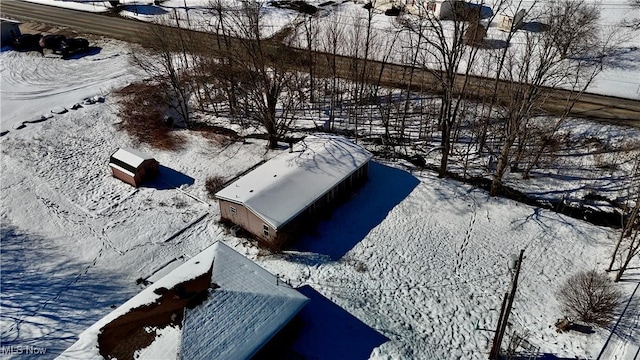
<point>85,22</point>
<point>590,106</point>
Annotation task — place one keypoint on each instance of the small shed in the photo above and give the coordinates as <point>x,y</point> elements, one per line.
<point>280,198</point>
<point>133,167</point>
<point>509,23</point>
<point>10,30</point>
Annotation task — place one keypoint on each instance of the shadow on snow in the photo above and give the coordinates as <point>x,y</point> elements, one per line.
<point>330,332</point>
<point>146,9</point>
<point>90,51</point>
<point>48,299</point>
<point>352,221</point>
<point>169,179</point>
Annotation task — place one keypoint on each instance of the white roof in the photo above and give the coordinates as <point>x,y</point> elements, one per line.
<point>131,156</point>
<point>247,309</point>
<point>284,186</point>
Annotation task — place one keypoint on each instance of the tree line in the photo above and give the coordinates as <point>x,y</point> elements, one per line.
<point>336,77</point>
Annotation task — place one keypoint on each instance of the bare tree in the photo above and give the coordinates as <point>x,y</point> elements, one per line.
<point>590,297</point>
<point>223,78</point>
<point>262,70</point>
<point>331,43</point>
<point>445,53</point>
<point>360,38</point>
<point>573,27</point>
<point>164,60</point>
<point>542,63</point>
<point>629,238</point>
<point>633,23</point>
<point>632,234</point>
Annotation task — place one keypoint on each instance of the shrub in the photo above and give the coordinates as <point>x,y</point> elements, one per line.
<point>474,34</point>
<point>213,184</point>
<point>143,108</point>
<point>590,297</point>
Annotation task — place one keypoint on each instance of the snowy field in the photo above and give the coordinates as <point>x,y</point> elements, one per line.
<point>412,267</point>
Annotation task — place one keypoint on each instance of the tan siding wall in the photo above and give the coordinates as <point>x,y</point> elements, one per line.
<point>124,177</point>
<point>246,219</point>
<point>255,227</point>
<point>146,171</point>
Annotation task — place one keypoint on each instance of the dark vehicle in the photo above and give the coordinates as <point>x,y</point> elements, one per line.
<point>26,41</point>
<point>73,45</point>
<point>52,42</point>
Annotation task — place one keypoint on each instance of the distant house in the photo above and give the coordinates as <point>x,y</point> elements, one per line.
<point>508,23</point>
<point>275,200</point>
<point>133,167</point>
<point>439,9</point>
<point>217,305</point>
<point>10,30</point>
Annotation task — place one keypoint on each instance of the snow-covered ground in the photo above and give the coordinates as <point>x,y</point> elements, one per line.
<point>32,86</point>
<point>411,267</point>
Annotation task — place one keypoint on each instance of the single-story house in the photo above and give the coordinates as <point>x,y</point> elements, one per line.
<point>509,23</point>
<point>439,9</point>
<point>217,305</point>
<point>133,167</point>
<point>10,30</point>
<point>275,200</point>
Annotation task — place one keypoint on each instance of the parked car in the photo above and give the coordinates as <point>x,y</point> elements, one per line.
<point>26,41</point>
<point>52,42</point>
<point>73,45</point>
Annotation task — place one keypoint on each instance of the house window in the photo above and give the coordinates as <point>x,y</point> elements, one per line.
<point>431,6</point>
<point>232,209</point>
<point>265,230</point>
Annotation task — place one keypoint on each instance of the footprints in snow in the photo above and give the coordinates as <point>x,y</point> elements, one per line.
<point>465,242</point>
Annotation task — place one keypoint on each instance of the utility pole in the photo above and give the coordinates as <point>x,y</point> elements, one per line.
<point>495,348</point>
<point>505,311</point>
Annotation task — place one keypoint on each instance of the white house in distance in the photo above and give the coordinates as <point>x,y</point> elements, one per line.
<point>440,9</point>
<point>509,23</point>
<point>217,305</point>
<point>274,201</point>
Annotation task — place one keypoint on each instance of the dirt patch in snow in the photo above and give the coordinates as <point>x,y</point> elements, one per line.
<point>143,108</point>
<point>136,330</point>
